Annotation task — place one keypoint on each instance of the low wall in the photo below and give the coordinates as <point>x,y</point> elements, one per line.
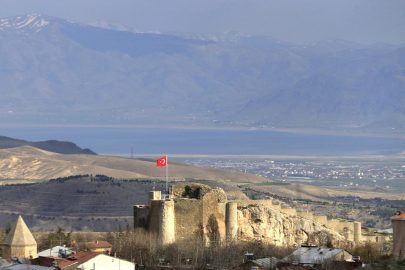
<point>275,206</point>
<point>340,226</point>
<point>320,219</point>
<point>289,211</point>
<point>246,203</point>
<point>307,215</point>
<point>335,225</point>
<point>375,238</point>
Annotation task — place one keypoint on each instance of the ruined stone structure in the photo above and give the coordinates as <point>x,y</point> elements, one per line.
<point>398,224</point>
<point>231,220</point>
<point>19,242</point>
<point>357,237</point>
<point>199,210</point>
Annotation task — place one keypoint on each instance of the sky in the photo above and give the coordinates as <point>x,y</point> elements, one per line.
<point>296,21</point>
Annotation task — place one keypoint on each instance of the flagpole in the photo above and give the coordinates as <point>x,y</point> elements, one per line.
<point>167,178</point>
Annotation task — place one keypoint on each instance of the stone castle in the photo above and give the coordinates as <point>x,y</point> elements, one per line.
<point>192,209</point>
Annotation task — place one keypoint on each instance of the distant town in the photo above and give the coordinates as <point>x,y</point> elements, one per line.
<point>370,176</point>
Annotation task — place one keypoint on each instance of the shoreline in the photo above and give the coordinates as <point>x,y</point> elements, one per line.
<point>309,131</point>
<point>399,155</point>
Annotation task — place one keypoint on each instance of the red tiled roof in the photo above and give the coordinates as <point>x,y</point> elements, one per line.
<point>400,216</point>
<point>79,258</point>
<point>83,256</point>
<point>48,261</point>
<point>98,244</point>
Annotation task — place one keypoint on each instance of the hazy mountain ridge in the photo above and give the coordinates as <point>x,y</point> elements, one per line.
<point>57,71</point>
<point>50,145</point>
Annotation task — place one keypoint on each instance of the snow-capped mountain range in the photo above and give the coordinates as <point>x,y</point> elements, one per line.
<point>31,23</point>
<point>58,71</point>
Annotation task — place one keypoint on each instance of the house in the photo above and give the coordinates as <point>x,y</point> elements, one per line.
<point>98,246</point>
<point>315,256</point>
<point>71,262</point>
<point>85,260</point>
<point>105,262</point>
<point>263,263</point>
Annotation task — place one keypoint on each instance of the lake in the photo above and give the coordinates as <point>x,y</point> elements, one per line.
<point>118,141</point>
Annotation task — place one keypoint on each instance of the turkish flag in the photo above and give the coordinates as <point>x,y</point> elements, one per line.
<point>161,162</point>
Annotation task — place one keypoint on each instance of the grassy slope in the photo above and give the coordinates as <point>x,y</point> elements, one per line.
<point>32,163</point>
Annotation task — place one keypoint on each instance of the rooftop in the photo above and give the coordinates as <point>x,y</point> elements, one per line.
<point>312,254</point>
<point>266,262</point>
<point>98,244</point>
<point>400,216</point>
<point>55,252</point>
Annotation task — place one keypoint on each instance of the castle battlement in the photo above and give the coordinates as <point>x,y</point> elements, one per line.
<point>199,210</point>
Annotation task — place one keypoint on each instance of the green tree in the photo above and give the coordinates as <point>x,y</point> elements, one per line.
<point>120,229</point>
<point>59,237</point>
<point>369,252</point>
<point>213,229</point>
<point>8,227</point>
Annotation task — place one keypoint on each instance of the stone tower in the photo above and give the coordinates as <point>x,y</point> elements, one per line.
<point>231,220</point>
<point>19,242</point>
<point>398,224</point>
<point>166,222</point>
<point>357,232</point>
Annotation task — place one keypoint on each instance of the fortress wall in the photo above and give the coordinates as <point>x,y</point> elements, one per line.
<point>349,235</point>
<point>289,211</point>
<point>307,215</point>
<point>320,219</point>
<point>347,225</point>
<point>188,214</point>
<point>231,220</point>
<point>340,226</point>
<point>375,238</point>
<point>275,206</point>
<point>166,222</point>
<point>222,208</point>
<point>211,211</point>
<point>246,203</point>
<point>153,217</point>
<point>140,216</point>
<point>334,224</point>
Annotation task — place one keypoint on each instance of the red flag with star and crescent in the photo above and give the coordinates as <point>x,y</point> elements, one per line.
<point>161,162</point>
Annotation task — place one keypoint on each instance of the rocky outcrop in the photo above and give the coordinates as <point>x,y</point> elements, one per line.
<point>262,222</point>
<point>197,191</point>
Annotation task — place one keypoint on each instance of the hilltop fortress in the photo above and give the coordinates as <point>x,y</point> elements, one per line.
<point>196,209</point>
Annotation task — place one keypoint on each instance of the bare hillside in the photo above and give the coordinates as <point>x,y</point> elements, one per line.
<point>31,163</point>
<point>51,145</point>
<point>307,192</point>
<point>81,202</point>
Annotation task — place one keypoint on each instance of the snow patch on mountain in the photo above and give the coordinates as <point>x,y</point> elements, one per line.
<point>114,26</point>
<point>31,23</point>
